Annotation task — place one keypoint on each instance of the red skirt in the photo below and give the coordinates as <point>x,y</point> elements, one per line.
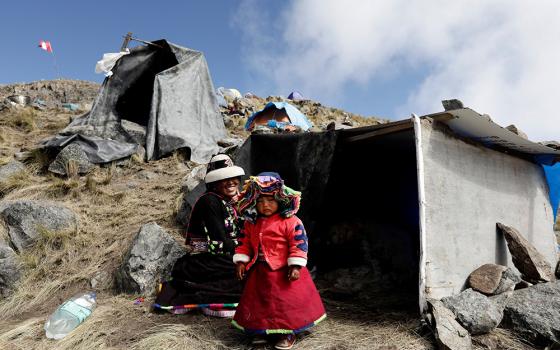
<point>270,303</point>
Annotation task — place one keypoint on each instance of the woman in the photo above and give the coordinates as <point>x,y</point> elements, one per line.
<point>207,274</point>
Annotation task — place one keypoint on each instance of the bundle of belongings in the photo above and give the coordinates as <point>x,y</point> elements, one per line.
<point>278,117</point>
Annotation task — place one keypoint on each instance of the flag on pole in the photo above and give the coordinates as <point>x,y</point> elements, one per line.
<point>45,45</point>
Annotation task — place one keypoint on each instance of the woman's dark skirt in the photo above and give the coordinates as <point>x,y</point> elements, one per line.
<point>202,278</point>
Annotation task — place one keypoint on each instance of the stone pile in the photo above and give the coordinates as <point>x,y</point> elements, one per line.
<point>527,303</point>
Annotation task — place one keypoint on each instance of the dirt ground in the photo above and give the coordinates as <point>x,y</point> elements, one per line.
<point>113,203</point>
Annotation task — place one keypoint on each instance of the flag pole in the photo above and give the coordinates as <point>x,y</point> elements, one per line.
<point>56,65</point>
<point>59,76</point>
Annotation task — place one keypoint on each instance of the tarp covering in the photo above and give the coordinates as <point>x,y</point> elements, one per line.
<point>553,178</point>
<point>303,160</point>
<point>296,117</point>
<point>165,88</point>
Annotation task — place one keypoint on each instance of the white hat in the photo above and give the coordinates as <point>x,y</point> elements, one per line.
<point>220,168</point>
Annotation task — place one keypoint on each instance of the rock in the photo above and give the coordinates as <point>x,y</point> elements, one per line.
<point>533,266</point>
<point>551,144</point>
<point>486,278</point>
<point>19,99</point>
<point>10,269</point>
<point>534,313</point>
<point>149,260</point>
<point>228,121</point>
<point>522,285</point>
<point>230,141</point>
<point>492,279</point>
<point>516,131</point>
<point>194,178</point>
<point>136,131</point>
<point>146,175</point>
<point>449,334</point>
<point>474,311</point>
<point>26,219</point>
<point>12,168</point>
<point>187,203</point>
<point>72,152</point>
<point>100,280</point>
<point>510,278</point>
<point>452,104</point>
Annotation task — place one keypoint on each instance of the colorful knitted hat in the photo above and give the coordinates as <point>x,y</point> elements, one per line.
<point>268,183</point>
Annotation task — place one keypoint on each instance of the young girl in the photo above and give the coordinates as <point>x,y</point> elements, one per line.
<point>279,296</point>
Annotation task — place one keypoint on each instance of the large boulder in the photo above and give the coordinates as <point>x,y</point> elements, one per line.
<point>12,168</point>
<point>194,178</point>
<point>10,269</point>
<point>187,203</point>
<point>534,313</point>
<point>71,153</point>
<point>474,311</point>
<point>149,260</point>
<point>27,219</point>
<point>533,265</point>
<point>491,279</point>
<point>136,131</point>
<point>449,334</point>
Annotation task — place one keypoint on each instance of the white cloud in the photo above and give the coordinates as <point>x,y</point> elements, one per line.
<point>500,57</point>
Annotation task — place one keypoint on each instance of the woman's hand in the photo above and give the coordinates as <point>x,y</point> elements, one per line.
<point>293,272</point>
<point>240,271</point>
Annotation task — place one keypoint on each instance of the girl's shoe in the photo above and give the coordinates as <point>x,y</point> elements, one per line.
<point>285,342</point>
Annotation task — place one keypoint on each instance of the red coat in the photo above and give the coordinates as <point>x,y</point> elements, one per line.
<point>283,242</point>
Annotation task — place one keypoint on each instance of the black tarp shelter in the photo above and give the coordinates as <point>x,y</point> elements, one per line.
<point>166,89</point>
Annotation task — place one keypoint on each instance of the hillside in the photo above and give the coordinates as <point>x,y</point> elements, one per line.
<point>113,202</point>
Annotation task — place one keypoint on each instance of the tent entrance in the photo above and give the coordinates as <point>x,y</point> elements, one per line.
<point>369,222</point>
<point>137,73</point>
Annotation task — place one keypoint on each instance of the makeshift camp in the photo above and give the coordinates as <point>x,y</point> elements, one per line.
<point>418,198</point>
<point>281,112</point>
<point>167,92</point>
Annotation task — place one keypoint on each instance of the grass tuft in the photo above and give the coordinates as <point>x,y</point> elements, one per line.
<point>38,159</point>
<point>16,181</point>
<point>72,169</point>
<point>24,119</point>
<point>109,174</point>
<point>61,187</point>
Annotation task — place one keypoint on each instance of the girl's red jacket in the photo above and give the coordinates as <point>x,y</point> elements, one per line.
<point>283,242</point>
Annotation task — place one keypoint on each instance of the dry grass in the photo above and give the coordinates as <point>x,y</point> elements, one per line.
<point>38,160</point>
<point>63,187</point>
<point>19,180</point>
<point>24,119</point>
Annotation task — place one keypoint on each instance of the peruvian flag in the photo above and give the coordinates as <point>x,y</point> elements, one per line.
<point>45,45</point>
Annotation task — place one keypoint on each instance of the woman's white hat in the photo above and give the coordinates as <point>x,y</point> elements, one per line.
<point>220,168</point>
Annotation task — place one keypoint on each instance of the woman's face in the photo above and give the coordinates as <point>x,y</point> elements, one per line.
<point>267,205</point>
<point>228,188</point>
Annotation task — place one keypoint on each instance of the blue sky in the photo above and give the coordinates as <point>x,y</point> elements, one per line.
<point>372,57</point>
<point>80,32</point>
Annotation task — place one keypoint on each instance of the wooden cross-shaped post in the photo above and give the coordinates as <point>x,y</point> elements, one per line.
<point>127,39</point>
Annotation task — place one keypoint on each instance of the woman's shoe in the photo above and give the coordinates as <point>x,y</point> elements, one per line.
<point>286,342</point>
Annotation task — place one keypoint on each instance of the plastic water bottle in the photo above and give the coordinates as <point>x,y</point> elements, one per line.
<point>69,315</point>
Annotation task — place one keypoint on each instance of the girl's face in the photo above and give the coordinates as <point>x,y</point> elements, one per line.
<point>267,205</point>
